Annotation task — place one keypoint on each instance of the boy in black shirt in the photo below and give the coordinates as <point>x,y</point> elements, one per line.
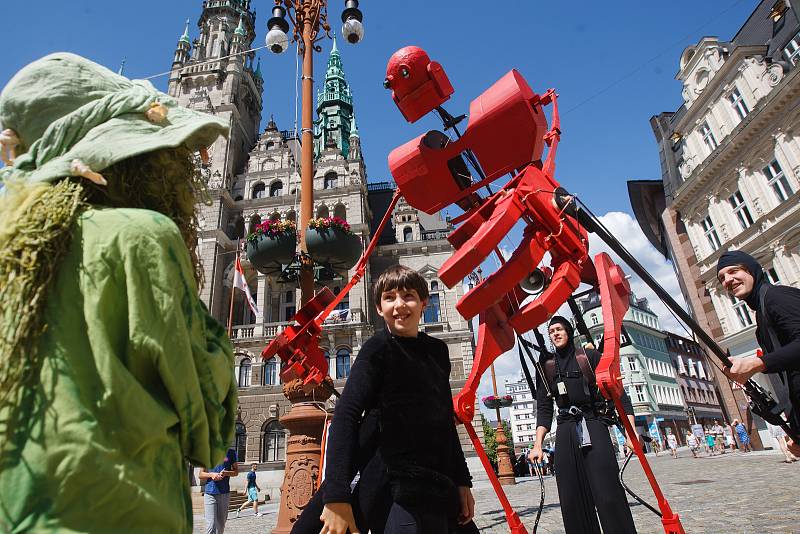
<point>404,374</point>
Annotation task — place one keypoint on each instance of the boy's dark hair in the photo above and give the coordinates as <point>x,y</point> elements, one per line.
<point>400,277</point>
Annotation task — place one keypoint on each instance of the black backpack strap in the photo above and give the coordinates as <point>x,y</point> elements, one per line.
<point>585,365</point>
<point>762,297</point>
<point>550,370</point>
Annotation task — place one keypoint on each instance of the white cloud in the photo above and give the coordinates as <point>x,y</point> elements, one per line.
<point>622,226</point>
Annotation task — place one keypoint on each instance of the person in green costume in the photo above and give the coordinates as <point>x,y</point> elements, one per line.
<point>112,372</point>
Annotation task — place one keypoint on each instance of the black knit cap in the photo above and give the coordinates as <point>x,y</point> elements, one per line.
<point>737,257</point>
<point>557,319</point>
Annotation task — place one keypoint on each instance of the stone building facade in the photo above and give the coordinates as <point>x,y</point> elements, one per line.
<point>696,381</point>
<point>730,159</point>
<point>522,414</point>
<point>254,175</point>
<point>647,372</point>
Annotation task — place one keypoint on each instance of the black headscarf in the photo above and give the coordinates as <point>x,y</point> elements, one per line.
<point>737,257</point>
<point>563,321</point>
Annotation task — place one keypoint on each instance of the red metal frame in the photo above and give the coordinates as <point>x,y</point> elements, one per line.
<point>507,133</point>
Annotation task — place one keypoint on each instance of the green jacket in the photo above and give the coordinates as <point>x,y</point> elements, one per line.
<point>137,377</point>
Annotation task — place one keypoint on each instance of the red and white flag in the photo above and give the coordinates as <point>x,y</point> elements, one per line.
<point>240,282</point>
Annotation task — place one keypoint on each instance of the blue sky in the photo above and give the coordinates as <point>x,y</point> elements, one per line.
<point>612,63</point>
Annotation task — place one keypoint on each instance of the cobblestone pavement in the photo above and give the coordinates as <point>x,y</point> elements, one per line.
<point>751,493</point>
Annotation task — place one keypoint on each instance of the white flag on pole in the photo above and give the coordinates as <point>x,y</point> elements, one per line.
<point>240,282</point>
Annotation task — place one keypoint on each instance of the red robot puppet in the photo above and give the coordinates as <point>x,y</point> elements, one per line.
<point>507,134</point>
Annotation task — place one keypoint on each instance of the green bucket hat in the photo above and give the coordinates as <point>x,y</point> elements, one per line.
<point>64,115</point>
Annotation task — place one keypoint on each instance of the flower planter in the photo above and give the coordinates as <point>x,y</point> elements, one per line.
<point>268,253</point>
<point>334,246</point>
<point>494,403</point>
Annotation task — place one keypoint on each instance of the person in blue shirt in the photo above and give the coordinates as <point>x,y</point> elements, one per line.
<point>252,491</point>
<point>218,492</point>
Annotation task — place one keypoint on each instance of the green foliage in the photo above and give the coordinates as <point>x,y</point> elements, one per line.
<point>490,438</point>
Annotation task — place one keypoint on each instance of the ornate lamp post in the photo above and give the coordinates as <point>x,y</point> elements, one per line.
<point>505,467</point>
<point>305,420</point>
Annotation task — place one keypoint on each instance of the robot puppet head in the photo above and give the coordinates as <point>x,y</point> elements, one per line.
<point>418,84</point>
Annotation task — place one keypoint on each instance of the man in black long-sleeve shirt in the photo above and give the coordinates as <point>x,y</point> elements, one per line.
<point>405,375</point>
<point>586,465</point>
<point>778,327</point>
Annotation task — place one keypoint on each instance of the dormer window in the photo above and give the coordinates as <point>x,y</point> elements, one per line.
<point>708,137</point>
<point>738,104</point>
<point>778,10</point>
<point>792,50</point>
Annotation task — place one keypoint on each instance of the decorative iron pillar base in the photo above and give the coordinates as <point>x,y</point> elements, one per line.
<point>505,467</point>
<point>305,423</point>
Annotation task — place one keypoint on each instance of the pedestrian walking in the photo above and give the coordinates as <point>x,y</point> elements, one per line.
<point>780,437</point>
<point>252,491</point>
<point>710,444</point>
<point>112,371</point>
<point>672,443</point>
<point>778,330</point>
<point>719,438</point>
<point>729,441</point>
<point>217,493</point>
<point>741,433</point>
<point>692,443</point>
<point>586,466</point>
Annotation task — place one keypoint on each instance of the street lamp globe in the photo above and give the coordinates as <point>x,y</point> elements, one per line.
<point>277,40</point>
<point>353,30</point>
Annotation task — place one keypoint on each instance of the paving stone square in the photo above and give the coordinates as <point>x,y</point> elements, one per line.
<point>737,493</point>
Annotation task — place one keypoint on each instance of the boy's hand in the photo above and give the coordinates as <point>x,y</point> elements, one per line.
<point>337,518</point>
<point>467,505</point>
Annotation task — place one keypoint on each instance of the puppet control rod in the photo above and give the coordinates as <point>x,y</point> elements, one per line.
<point>761,402</point>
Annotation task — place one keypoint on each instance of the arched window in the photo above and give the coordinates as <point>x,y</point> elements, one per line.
<point>345,302</point>
<point>432,310</point>
<point>273,443</point>
<point>240,442</point>
<point>245,373</point>
<point>340,211</point>
<point>237,228</point>
<point>408,234</point>
<point>331,362</point>
<point>276,189</point>
<point>270,375</point>
<point>330,181</point>
<point>593,318</point>
<point>289,305</point>
<point>322,212</point>
<point>259,190</point>
<point>270,144</point>
<point>342,363</point>
<point>255,220</point>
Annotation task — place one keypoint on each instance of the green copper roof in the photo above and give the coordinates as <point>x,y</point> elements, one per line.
<point>335,87</point>
<point>240,28</point>
<point>185,37</point>
<point>353,127</point>
<point>257,73</point>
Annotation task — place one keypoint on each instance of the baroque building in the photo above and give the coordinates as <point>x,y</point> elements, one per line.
<point>696,382</point>
<point>647,372</point>
<point>254,176</point>
<point>730,160</point>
